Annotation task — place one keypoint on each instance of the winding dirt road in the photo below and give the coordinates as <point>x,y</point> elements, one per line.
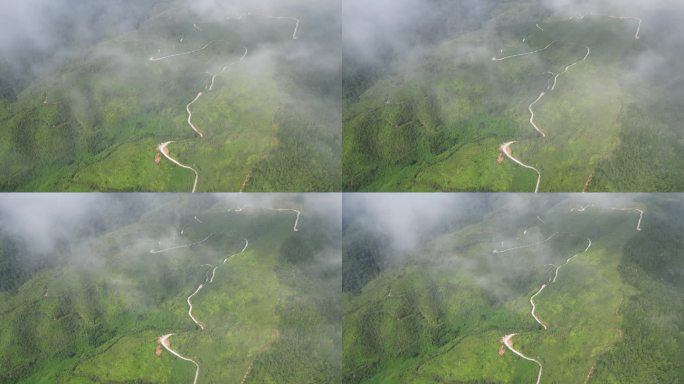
<point>187,108</point>
<point>164,149</point>
<point>509,344</point>
<point>182,53</point>
<point>641,215</point>
<point>506,149</point>
<point>190,306</point>
<point>524,54</point>
<point>183,246</point>
<point>294,34</point>
<point>567,68</point>
<point>294,228</point>
<point>555,276</point>
<point>636,35</point>
<point>526,246</point>
<point>532,114</point>
<point>164,341</point>
<point>534,307</point>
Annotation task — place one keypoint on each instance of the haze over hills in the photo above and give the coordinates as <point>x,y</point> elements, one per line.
<point>170,289</point>
<point>512,289</point>
<point>513,95</point>
<point>245,96</point>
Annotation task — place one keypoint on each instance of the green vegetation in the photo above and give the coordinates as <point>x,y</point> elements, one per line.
<point>94,122</point>
<point>436,122</point>
<point>438,317</point>
<point>93,311</point>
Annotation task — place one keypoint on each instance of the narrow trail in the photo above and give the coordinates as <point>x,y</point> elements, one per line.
<point>526,246</point>
<point>190,306</point>
<point>641,212</point>
<point>509,344</point>
<point>296,28</point>
<point>532,113</point>
<point>187,108</point>
<point>294,228</point>
<point>505,148</point>
<point>164,341</point>
<point>539,27</point>
<point>555,276</point>
<point>524,54</point>
<point>541,220</point>
<point>534,307</point>
<point>183,53</point>
<point>184,245</point>
<point>641,215</point>
<point>636,35</point>
<point>567,68</point>
<point>164,149</point>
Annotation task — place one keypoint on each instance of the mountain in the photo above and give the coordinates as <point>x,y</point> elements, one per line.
<point>247,289</point>
<point>247,96</point>
<point>562,289</point>
<point>585,93</point>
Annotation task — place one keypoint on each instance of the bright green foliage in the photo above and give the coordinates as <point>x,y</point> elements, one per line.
<point>439,316</point>
<point>97,318</point>
<point>95,122</point>
<point>437,123</point>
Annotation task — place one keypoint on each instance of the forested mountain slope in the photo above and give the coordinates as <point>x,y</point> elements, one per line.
<point>533,97</point>
<point>191,290</point>
<point>560,290</point>
<point>244,97</point>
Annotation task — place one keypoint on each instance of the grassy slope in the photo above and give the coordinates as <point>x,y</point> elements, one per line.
<point>103,131</point>
<point>108,323</point>
<point>455,332</point>
<point>465,105</point>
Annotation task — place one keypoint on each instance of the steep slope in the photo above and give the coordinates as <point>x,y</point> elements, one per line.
<point>572,95</point>
<point>234,290</point>
<point>563,301</point>
<point>227,89</point>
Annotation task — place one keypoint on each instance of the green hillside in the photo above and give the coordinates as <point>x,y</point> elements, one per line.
<point>436,120</point>
<point>93,312</point>
<point>94,122</point>
<point>613,313</point>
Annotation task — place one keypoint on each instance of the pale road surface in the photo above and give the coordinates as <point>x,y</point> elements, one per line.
<point>509,344</point>
<point>505,148</point>
<point>641,215</point>
<point>532,114</point>
<point>163,148</point>
<point>526,246</point>
<point>570,259</point>
<point>291,210</point>
<point>182,53</point>
<point>534,307</point>
<point>294,34</point>
<point>187,108</point>
<point>523,54</point>
<point>636,35</point>
<point>183,246</point>
<point>567,68</point>
<point>164,341</point>
<point>190,307</point>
